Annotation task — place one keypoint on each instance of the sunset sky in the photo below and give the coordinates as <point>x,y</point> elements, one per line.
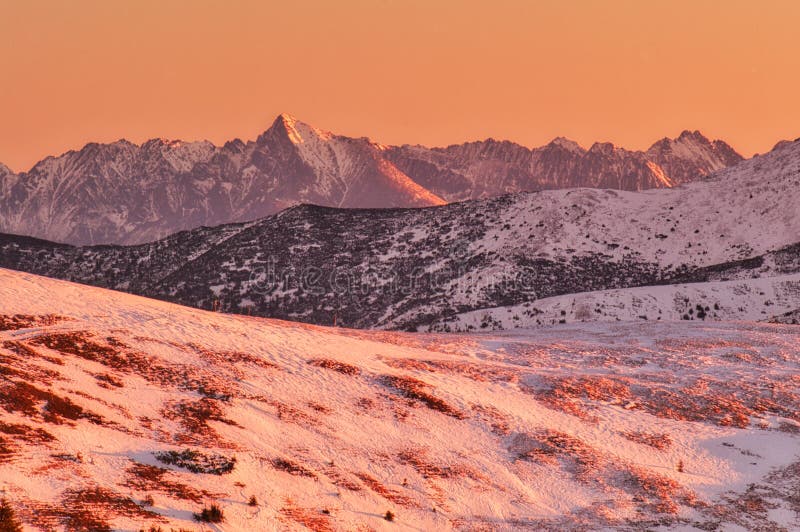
<point>432,71</point>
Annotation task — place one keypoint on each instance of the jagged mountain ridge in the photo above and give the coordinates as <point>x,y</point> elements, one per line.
<point>489,168</point>
<point>410,268</point>
<point>125,193</point>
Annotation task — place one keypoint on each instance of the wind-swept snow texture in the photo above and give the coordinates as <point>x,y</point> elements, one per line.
<point>123,412</point>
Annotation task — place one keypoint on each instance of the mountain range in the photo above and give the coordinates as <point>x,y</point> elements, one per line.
<point>490,168</point>
<point>424,268</point>
<point>124,193</point>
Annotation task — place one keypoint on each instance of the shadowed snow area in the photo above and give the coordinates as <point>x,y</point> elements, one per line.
<point>123,412</point>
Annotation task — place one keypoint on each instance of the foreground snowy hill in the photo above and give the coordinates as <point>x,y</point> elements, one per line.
<point>409,268</point>
<point>124,193</point>
<point>123,412</point>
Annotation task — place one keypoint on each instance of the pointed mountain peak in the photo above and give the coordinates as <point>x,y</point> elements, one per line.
<point>285,119</point>
<point>567,144</point>
<point>693,136</point>
<point>687,138</point>
<point>297,132</point>
<point>695,140</point>
<point>603,147</point>
<point>285,125</point>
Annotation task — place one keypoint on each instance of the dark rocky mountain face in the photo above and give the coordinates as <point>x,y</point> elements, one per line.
<point>408,268</point>
<point>488,168</point>
<point>392,269</point>
<point>125,193</point>
<point>364,269</point>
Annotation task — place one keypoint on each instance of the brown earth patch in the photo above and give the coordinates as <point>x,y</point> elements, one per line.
<point>148,478</point>
<point>341,367</point>
<point>420,391</point>
<point>311,519</point>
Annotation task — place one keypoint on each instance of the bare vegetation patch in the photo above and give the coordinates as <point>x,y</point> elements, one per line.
<point>8,518</point>
<point>8,449</point>
<point>210,514</point>
<point>37,403</point>
<point>293,468</point>
<point>420,460</point>
<point>26,433</point>
<point>789,428</point>
<point>340,479</point>
<point>499,422</point>
<point>568,394</point>
<point>656,440</point>
<point>149,478</point>
<point>722,403</point>
<point>115,354</point>
<point>470,370</point>
<point>385,492</point>
<point>418,390</point>
<point>695,344</point>
<point>198,461</point>
<point>335,365</point>
<point>194,417</point>
<point>319,407</point>
<point>82,344</point>
<point>754,508</point>
<point>311,519</point>
<point>107,380</point>
<point>231,359</point>
<point>14,322</point>
<point>291,414</point>
<point>90,509</point>
<point>659,493</point>
<point>650,491</point>
<point>562,404</point>
<point>20,360</point>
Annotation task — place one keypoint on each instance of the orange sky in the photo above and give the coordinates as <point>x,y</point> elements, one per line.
<point>428,71</point>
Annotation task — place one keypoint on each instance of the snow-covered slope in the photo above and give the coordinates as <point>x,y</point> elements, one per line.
<point>681,425</point>
<point>489,168</point>
<point>791,317</point>
<point>123,193</point>
<point>408,268</point>
<point>747,299</point>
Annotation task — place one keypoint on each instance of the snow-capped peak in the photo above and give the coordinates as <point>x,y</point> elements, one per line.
<point>288,123</point>
<point>695,136</point>
<point>603,147</point>
<point>567,144</point>
<point>297,131</point>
